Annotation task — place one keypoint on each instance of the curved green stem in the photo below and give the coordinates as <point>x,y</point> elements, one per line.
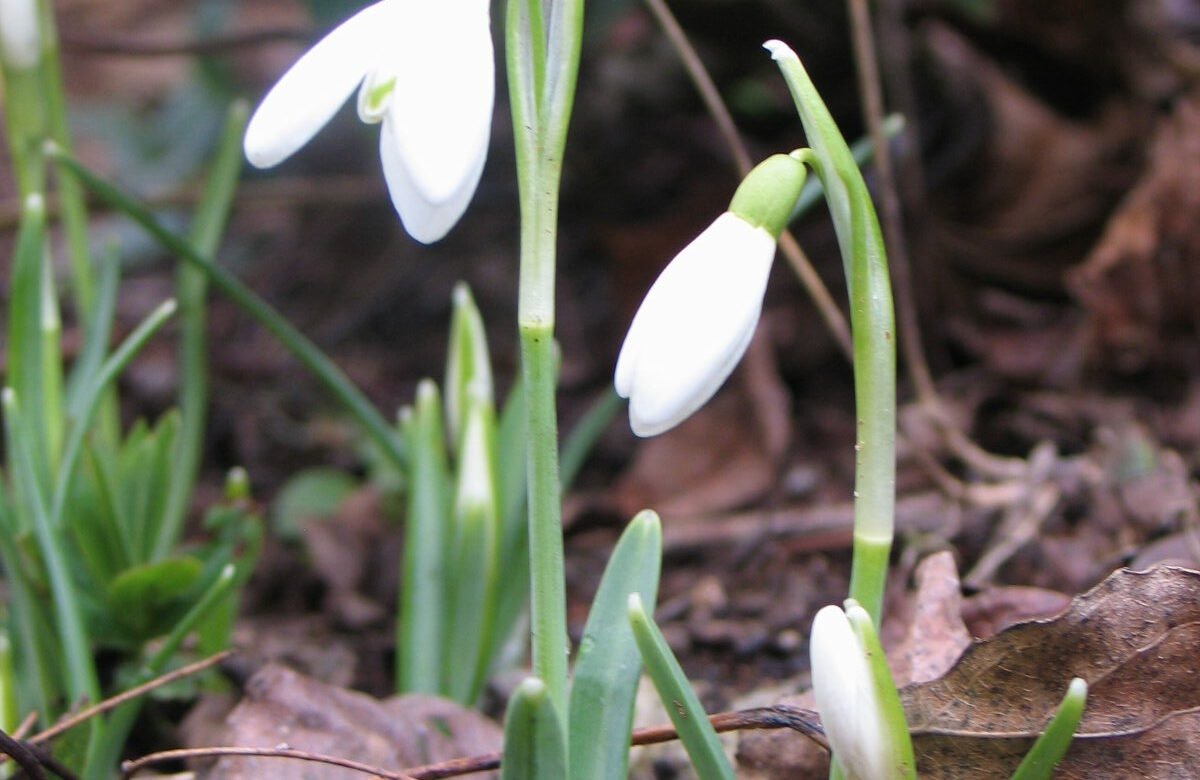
<point>872,325</point>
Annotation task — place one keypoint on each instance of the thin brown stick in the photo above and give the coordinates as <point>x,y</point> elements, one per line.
<point>124,696</point>
<point>801,266</point>
<point>893,219</point>
<point>24,757</point>
<point>130,768</point>
<point>780,716</point>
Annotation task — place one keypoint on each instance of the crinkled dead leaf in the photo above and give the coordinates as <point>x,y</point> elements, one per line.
<point>281,706</point>
<point>1133,638</point>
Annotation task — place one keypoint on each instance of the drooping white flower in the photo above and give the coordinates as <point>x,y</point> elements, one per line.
<point>20,37</point>
<point>695,324</point>
<point>847,698</point>
<point>425,71</point>
<point>697,320</point>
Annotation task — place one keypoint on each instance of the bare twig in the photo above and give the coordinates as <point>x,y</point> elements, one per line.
<point>130,768</point>
<point>780,716</point>
<point>124,696</point>
<point>21,753</point>
<point>801,266</point>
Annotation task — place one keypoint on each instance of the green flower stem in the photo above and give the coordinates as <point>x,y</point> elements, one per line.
<point>191,291</point>
<point>328,374</point>
<point>548,606</point>
<point>872,325</point>
<point>543,43</point>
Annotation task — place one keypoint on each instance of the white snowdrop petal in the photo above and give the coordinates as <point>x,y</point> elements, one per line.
<point>694,324</point>
<point>846,698</point>
<point>308,95</point>
<point>442,100</point>
<point>20,36</point>
<point>424,220</point>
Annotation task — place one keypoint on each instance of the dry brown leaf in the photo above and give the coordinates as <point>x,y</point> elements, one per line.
<point>1140,282</point>
<point>1133,638</point>
<point>284,707</point>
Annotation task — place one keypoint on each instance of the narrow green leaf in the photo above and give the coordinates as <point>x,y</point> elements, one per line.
<point>97,332</point>
<point>191,288</point>
<point>420,628</point>
<point>695,732</point>
<point>533,741</point>
<point>473,555</point>
<point>608,664</point>
<point>82,680</point>
<point>512,600</point>
<point>24,365</point>
<point>1052,745</point>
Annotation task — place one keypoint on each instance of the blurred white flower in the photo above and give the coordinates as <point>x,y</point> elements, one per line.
<point>847,699</point>
<point>425,70</point>
<point>695,324</point>
<point>20,38</point>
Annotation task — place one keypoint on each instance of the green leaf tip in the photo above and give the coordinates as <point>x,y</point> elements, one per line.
<point>1054,742</point>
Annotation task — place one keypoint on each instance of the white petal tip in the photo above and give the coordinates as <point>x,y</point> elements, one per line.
<point>779,50</point>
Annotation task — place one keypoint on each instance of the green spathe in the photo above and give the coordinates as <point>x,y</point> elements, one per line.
<point>767,195</point>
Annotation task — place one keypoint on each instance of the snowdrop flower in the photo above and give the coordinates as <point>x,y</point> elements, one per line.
<point>20,37</point>
<point>699,316</point>
<point>847,697</point>
<point>425,71</point>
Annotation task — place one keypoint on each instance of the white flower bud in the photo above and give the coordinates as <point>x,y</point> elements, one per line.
<point>847,700</point>
<point>694,324</point>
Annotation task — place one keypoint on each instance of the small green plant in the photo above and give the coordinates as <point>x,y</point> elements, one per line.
<point>464,524</point>
<point>90,517</point>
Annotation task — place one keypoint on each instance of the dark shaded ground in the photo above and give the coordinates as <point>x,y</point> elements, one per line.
<point>1050,188</point>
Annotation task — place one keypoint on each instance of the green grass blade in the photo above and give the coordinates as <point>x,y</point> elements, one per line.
<point>191,289</point>
<point>608,665</point>
<point>82,681</point>
<point>97,332</point>
<point>309,355</point>
<point>695,732</point>
<point>24,370</point>
<point>1052,745</point>
<point>422,588</point>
